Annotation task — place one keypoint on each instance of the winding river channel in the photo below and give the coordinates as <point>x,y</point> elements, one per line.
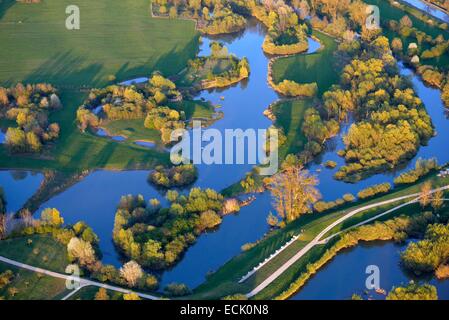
<point>95,198</point>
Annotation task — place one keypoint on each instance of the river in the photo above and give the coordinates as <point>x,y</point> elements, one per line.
<point>94,199</point>
<point>346,274</point>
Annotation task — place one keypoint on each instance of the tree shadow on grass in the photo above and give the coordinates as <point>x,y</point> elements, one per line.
<point>66,71</point>
<point>168,64</point>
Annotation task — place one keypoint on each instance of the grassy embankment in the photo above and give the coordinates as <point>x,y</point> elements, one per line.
<point>225,280</point>
<point>120,39</point>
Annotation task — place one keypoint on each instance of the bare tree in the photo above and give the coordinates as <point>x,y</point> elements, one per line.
<point>294,191</point>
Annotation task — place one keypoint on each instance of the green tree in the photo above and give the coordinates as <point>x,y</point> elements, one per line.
<point>414,292</point>
<point>52,217</point>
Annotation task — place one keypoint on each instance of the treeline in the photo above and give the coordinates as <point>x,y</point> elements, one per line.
<point>422,168</point>
<point>291,88</point>
<point>157,237</point>
<point>147,101</point>
<point>374,191</point>
<point>175,177</point>
<point>29,107</point>
<point>214,17</point>
<point>322,206</point>
<point>430,254</point>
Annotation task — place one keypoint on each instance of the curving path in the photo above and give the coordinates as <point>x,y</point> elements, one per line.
<point>318,239</point>
<point>82,282</point>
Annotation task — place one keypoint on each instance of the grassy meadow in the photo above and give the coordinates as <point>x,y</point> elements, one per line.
<point>116,38</point>
<point>307,68</point>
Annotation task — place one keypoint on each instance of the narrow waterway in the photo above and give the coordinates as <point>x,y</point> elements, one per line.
<point>346,274</point>
<point>18,187</point>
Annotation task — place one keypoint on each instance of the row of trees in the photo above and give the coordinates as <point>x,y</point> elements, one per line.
<point>29,107</point>
<point>291,88</point>
<point>156,237</point>
<point>214,16</point>
<point>422,168</point>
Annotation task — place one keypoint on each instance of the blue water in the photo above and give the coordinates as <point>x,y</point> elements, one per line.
<point>346,274</point>
<point>18,187</point>
<point>212,250</point>
<point>2,136</point>
<point>95,199</point>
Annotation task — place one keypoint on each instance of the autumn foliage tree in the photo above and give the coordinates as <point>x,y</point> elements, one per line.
<point>294,192</point>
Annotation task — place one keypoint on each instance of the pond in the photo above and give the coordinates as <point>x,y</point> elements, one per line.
<point>346,274</point>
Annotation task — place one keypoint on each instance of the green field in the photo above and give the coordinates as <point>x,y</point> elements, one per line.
<point>316,67</point>
<point>419,19</point>
<point>116,38</point>
<point>41,251</point>
<point>289,117</point>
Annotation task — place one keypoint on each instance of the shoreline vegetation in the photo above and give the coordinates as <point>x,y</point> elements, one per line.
<point>220,69</point>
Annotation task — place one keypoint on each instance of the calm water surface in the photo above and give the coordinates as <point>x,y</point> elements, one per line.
<point>346,274</point>
<point>19,186</point>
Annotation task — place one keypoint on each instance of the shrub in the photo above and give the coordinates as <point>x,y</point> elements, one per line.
<point>177,290</point>
<point>374,191</point>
